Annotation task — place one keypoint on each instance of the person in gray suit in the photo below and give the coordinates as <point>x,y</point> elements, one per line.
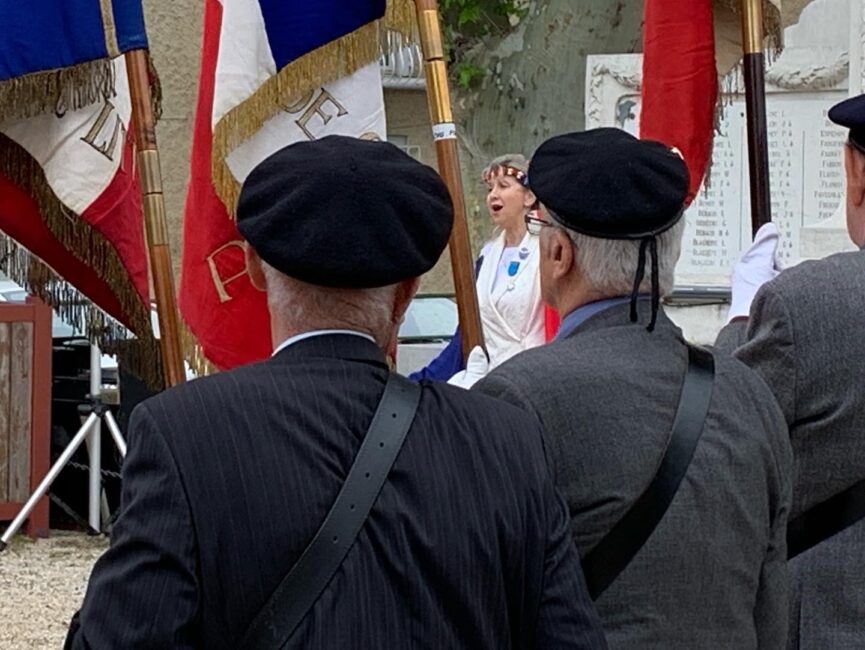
<point>712,571</point>
<point>803,333</point>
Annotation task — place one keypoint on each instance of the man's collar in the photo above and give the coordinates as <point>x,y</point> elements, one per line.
<point>308,335</point>
<point>584,312</point>
<point>612,312</point>
<point>339,344</point>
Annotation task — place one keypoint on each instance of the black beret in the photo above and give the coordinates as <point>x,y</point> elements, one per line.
<point>606,183</point>
<point>851,114</point>
<point>345,212</point>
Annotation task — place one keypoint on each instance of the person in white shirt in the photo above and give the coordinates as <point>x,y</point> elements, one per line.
<point>513,315</point>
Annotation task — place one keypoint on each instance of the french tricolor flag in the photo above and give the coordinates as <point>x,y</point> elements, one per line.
<point>273,72</point>
<point>69,193</point>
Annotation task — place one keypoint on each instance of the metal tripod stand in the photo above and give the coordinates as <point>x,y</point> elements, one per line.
<point>91,430</point>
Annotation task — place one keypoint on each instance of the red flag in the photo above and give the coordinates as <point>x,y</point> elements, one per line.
<point>680,82</point>
<point>23,222</point>
<point>213,279</point>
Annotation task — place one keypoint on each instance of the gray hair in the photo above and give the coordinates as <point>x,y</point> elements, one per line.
<point>610,265</point>
<point>307,306</point>
<point>515,160</point>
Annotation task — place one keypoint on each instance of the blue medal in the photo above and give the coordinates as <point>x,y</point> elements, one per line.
<point>513,267</point>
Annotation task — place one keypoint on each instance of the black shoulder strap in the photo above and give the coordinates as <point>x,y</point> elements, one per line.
<point>826,519</point>
<point>303,584</point>
<point>619,546</point>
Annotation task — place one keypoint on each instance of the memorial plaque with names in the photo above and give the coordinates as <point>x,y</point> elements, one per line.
<point>805,161</point>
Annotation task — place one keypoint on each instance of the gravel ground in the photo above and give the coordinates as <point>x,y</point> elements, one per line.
<point>42,583</point>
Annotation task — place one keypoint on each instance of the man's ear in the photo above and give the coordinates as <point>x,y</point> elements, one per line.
<point>560,252</point>
<point>854,165</point>
<point>254,268</point>
<point>405,291</point>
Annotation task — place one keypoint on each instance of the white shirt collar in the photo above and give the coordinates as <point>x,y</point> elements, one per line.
<point>308,335</point>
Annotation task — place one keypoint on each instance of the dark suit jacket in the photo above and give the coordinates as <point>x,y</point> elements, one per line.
<point>228,478</point>
<point>713,573</point>
<point>806,338</point>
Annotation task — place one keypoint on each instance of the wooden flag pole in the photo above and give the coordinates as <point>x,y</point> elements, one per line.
<point>444,134</point>
<point>755,99</point>
<point>150,176</point>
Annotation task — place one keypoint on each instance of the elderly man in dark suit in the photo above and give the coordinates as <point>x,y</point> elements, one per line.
<point>804,334</point>
<point>675,465</point>
<point>236,530</point>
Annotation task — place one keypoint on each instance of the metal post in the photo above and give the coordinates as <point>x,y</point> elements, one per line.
<point>444,134</point>
<point>94,446</point>
<point>115,433</point>
<point>755,98</point>
<point>46,482</point>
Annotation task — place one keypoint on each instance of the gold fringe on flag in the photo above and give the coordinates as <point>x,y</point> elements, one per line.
<point>194,354</point>
<point>90,247</point>
<point>777,14</point>
<point>329,62</point>
<point>66,89</point>
<point>401,16</point>
<point>139,355</point>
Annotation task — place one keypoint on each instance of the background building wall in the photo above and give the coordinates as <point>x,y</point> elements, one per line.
<point>408,124</point>
<point>174,29</point>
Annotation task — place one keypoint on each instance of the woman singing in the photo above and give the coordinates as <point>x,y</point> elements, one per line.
<point>508,283</point>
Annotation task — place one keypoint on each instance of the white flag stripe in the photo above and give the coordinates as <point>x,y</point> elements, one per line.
<point>245,61</point>
<point>353,106</point>
<point>81,150</point>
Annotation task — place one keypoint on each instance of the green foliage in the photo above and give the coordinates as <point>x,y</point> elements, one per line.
<point>467,22</point>
<point>467,74</point>
<point>479,18</point>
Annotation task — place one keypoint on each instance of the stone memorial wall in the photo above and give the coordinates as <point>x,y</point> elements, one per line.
<point>805,159</point>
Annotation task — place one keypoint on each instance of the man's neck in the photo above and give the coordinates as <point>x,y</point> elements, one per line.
<point>572,300</point>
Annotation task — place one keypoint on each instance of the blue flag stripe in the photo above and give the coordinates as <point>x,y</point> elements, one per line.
<point>129,21</point>
<point>297,27</point>
<point>50,34</point>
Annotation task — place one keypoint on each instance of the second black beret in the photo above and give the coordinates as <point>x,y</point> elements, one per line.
<point>606,183</point>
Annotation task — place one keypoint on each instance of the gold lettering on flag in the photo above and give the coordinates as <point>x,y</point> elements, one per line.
<point>317,107</point>
<point>224,253</point>
<point>296,105</point>
<point>103,139</point>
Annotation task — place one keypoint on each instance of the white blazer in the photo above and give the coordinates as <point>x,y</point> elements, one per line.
<point>513,314</point>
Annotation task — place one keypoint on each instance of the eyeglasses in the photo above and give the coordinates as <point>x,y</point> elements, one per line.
<point>535,225</point>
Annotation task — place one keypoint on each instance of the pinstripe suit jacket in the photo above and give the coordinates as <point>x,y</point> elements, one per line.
<point>712,576</point>
<point>228,478</point>
<point>806,337</point>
